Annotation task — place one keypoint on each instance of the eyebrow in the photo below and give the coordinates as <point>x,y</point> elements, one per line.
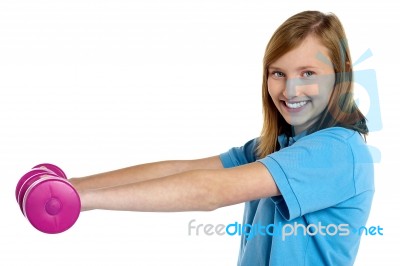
<point>299,68</point>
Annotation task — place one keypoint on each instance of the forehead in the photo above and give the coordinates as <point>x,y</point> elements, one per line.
<point>310,52</point>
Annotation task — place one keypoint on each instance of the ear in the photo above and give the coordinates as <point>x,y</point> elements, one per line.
<point>348,66</point>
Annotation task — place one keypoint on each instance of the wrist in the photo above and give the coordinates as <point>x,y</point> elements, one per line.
<point>86,197</point>
<point>82,192</point>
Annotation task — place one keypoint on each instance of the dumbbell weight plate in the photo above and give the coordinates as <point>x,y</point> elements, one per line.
<point>40,168</point>
<point>53,168</point>
<point>51,205</point>
<point>26,177</point>
<point>29,181</point>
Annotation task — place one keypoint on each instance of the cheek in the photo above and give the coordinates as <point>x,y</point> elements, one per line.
<point>274,88</point>
<point>325,88</point>
<point>309,90</point>
<point>327,95</point>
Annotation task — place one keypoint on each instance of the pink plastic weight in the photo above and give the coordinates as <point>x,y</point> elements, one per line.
<point>53,168</point>
<point>51,205</point>
<point>47,199</point>
<point>26,177</point>
<point>40,168</point>
<point>28,182</point>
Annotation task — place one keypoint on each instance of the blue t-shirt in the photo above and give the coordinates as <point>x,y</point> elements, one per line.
<point>327,184</point>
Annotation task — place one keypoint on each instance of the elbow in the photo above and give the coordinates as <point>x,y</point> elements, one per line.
<point>209,196</point>
<point>212,198</point>
<point>211,207</point>
<point>209,202</point>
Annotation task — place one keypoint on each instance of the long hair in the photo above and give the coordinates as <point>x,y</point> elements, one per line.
<point>341,109</point>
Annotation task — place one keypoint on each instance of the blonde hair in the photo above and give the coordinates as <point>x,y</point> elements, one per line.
<point>341,109</point>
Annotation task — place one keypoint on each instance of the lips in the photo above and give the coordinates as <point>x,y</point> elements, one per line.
<point>296,105</point>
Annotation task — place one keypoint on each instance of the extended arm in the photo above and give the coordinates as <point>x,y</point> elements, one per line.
<point>193,190</point>
<point>144,172</point>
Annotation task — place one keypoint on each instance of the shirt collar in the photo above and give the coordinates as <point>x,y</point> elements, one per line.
<point>285,141</point>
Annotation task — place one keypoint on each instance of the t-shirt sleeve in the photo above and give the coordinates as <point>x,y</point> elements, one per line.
<point>314,173</point>
<point>239,155</point>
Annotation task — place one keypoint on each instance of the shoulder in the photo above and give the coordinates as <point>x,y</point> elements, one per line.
<point>334,133</point>
<point>337,138</point>
<point>323,149</point>
<point>240,155</point>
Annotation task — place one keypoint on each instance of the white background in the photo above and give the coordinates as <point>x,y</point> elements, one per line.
<point>99,85</point>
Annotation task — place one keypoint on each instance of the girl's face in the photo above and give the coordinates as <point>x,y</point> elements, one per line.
<point>300,83</point>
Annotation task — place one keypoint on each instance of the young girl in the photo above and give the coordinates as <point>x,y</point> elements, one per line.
<point>307,180</point>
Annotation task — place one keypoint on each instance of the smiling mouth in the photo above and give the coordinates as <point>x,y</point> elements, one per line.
<point>295,105</point>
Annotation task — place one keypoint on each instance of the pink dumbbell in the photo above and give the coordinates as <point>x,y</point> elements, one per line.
<point>47,199</point>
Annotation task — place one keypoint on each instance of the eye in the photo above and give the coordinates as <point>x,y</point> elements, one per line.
<point>308,74</point>
<point>277,74</point>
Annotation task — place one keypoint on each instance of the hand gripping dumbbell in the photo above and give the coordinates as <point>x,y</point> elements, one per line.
<point>47,199</point>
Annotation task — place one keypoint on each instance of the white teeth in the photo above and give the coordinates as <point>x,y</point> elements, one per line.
<point>295,105</point>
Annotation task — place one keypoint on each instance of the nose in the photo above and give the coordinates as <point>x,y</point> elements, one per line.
<point>292,89</point>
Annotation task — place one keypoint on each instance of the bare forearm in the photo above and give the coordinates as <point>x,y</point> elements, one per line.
<point>188,191</point>
<point>197,190</point>
<point>143,172</point>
